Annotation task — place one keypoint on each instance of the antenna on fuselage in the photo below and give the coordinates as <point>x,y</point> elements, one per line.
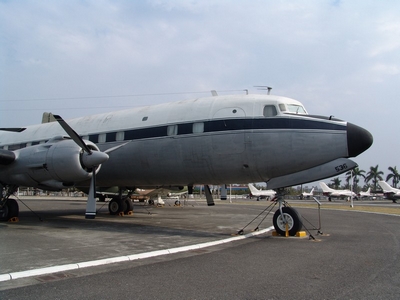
<point>214,93</point>
<point>264,87</point>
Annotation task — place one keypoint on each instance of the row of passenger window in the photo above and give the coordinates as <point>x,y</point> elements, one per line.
<point>169,130</point>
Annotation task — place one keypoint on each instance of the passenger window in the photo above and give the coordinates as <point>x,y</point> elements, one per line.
<point>270,111</point>
<point>198,127</point>
<point>172,130</point>
<point>102,138</point>
<point>120,135</point>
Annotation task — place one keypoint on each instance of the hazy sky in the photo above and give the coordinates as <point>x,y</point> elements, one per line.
<point>74,58</point>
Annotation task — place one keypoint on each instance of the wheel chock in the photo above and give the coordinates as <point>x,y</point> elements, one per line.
<point>130,213</point>
<point>121,214</point>
<point>298,234</point>
<point>13,220</point>
<point>301,234</point>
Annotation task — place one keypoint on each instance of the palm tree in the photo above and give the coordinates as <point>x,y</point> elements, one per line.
<point>395,176</point>
<point>336,182</point>
<point>374,175</point>
<point>356,173</point>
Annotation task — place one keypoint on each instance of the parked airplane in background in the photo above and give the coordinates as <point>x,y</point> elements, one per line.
<point>366,194</point>
<point>390,193</point>
<point>155,196</point>
<point>305,195</point>
<point>332,193</point>
<point>261,194</point>
<point>212,140</point>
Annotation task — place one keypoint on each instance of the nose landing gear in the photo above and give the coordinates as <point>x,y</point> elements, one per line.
<point>286,220</point>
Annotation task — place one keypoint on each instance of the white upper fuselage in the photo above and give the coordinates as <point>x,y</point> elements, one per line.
<point>222,139</point>
<point>202,109</point>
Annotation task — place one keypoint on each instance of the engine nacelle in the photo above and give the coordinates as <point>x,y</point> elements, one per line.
<point>55,164</point>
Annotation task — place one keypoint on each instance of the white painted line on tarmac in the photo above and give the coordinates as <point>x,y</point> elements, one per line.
<point>112,260</point>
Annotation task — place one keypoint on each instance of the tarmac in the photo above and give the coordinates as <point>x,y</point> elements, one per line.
<point>53,233</point>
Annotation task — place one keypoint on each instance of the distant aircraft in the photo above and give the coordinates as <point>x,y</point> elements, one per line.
<point>390,193</point>
<point>261,194</point>
<point>154,196</point>
<point>332,193</point>
<point>366,194</point>
<point>211,141</point>
<point>305,195</point>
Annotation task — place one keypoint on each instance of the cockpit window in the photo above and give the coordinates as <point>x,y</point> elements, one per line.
<point>296,109</point>
<point>270,111</point>
<point>282,107</point>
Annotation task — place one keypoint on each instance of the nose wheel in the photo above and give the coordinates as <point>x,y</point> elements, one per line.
<point>289,216</point>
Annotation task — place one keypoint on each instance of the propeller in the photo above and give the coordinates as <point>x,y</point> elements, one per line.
<point>91,160</point>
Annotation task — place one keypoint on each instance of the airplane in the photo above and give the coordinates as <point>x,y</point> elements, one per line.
<point>212,140</point>
<point>305,195</point>
<point>366,194</point>
<point>261,194</point>
<point>390,193</point>
<point>332,193</point>
<point>154,196</point>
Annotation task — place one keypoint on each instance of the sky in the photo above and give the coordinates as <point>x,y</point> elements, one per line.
<point>76,58</point>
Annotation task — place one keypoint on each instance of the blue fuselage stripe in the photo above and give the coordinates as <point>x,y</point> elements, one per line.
<point>216,126</point>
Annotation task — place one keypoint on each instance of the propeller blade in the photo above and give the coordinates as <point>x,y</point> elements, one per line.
<point>109,150</point>
<point>73,135</point>
<point>91,201</point>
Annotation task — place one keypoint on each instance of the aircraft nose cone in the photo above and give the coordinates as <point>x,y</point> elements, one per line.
<point>358,139</point>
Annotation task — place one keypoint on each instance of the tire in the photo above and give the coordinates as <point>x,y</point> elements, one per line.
<point>4,213</point>
<point>116,206</point>
<point>151,202</point>
<point>129,205</point>
<point>293,218</point>
<point>10,210</point>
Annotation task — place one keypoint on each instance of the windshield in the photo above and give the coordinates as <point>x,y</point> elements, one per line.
<point>296,109</point>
